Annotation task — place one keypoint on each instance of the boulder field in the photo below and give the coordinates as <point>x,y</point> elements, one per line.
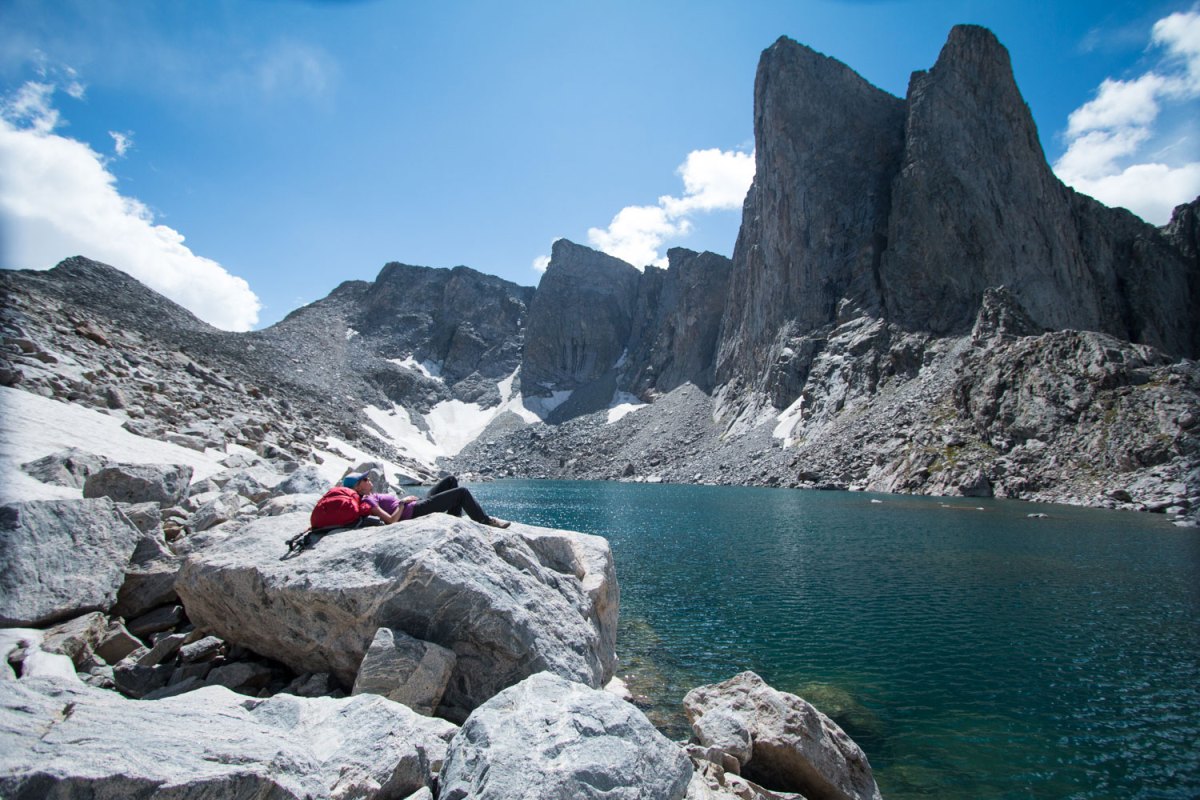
<point>160,650</point>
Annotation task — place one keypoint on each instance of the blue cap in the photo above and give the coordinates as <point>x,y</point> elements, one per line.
<point>351,480</point>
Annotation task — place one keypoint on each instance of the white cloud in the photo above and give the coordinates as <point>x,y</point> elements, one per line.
<point>1180,35</point>
<point>58,199</point>
<point>121,142</point>
<point>1119,104</point>
<point>636,233</point>
<point>1115,151</point>
<point>713,180</point>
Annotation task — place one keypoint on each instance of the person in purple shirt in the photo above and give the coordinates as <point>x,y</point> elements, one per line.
<point>445,497</point>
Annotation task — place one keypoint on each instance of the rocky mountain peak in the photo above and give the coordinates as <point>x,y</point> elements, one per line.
<point>579,319</point>
<point>814,223</point>
<point>906,212</point>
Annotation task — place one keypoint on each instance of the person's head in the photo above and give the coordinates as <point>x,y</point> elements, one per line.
<point>359,482</point>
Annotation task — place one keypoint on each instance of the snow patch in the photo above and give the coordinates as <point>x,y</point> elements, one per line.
<point>541,407</point>
<point>401,432</point>
<point>32,426</point>
<point>623,403</point>
<point>430,369</point>
<point>350,333</point>
<point>788,419</point>
<point>455,424</point>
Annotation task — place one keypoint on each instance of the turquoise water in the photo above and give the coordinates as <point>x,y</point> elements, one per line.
<point>971,651</point>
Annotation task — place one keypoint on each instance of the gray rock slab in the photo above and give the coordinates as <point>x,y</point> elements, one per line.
<point>549,737</point>
<point>289,504</point>
<point>116,643</point>
<point>77,638</point>
<point>283,747</point>
<point>406,670</point>
<point>306,480</point>
<point>509,603</point>
<point>61,558</point>
<point>157,620</point>
<point>220,509</point>
<point>149,577</point>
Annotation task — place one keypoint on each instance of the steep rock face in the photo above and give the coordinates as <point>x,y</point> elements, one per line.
<point>465,322</point>
<point>1183,231</point>
<point>975,205</point>
<point>677,323</point>
<point>579,321</point>
<point>897,216</point>
<point>814,222</point>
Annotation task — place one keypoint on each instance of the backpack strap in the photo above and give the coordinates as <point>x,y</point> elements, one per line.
<point>306,539</point>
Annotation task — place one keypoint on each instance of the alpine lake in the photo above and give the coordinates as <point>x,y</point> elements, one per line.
<point>972,650</point>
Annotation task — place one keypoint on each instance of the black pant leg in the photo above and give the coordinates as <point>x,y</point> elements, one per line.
<point>444,485</point>
<point>454,501</point>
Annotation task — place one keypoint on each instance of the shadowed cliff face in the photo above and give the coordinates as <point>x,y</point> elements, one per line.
<point>868,207</point>
<point>579,319</point>
<point>975,205</point>
<point>827,145</point>
<point>677,324</point>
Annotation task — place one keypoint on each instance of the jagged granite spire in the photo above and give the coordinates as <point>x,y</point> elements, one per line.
<point>579,319</point>
<point>975,205</point>
<point>827,144</point>
<point>866,206</point>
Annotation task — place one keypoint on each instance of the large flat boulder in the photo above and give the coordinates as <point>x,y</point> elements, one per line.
<point>63,739</point>
<point>508,603</point>
<point>61,559</point>
<point>548,737</point>
<point>781,741</point>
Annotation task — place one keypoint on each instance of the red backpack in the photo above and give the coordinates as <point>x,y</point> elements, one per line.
<point>338,508</point>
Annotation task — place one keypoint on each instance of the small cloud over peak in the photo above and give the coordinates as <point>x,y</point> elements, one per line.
<point>59,199</point>
<point>713,180</point>
<point>637,232</point>
<point>1136,144</point>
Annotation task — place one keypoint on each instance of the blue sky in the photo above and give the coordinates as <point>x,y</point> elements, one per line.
<point>246,157</point>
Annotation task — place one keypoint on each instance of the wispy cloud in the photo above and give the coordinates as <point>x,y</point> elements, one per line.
<point>122,141</point>
<point>713,180</point>
<point>58,199</point>
<point>1136,144</point>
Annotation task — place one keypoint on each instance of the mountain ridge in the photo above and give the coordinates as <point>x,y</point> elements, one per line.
<point>915,304</point>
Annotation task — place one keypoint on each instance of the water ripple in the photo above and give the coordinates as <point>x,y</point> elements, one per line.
<point>972,653</point>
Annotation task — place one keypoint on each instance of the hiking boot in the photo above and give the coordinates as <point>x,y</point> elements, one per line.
<point>496,522</point>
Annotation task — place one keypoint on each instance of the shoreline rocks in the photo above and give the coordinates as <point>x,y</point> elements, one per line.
<point>504,609</point>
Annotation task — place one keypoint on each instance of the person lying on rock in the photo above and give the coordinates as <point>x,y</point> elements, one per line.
<point>446,497</point>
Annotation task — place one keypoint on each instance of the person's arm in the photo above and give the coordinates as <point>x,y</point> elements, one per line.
<point>386,517</point>
<point>377,510</point>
